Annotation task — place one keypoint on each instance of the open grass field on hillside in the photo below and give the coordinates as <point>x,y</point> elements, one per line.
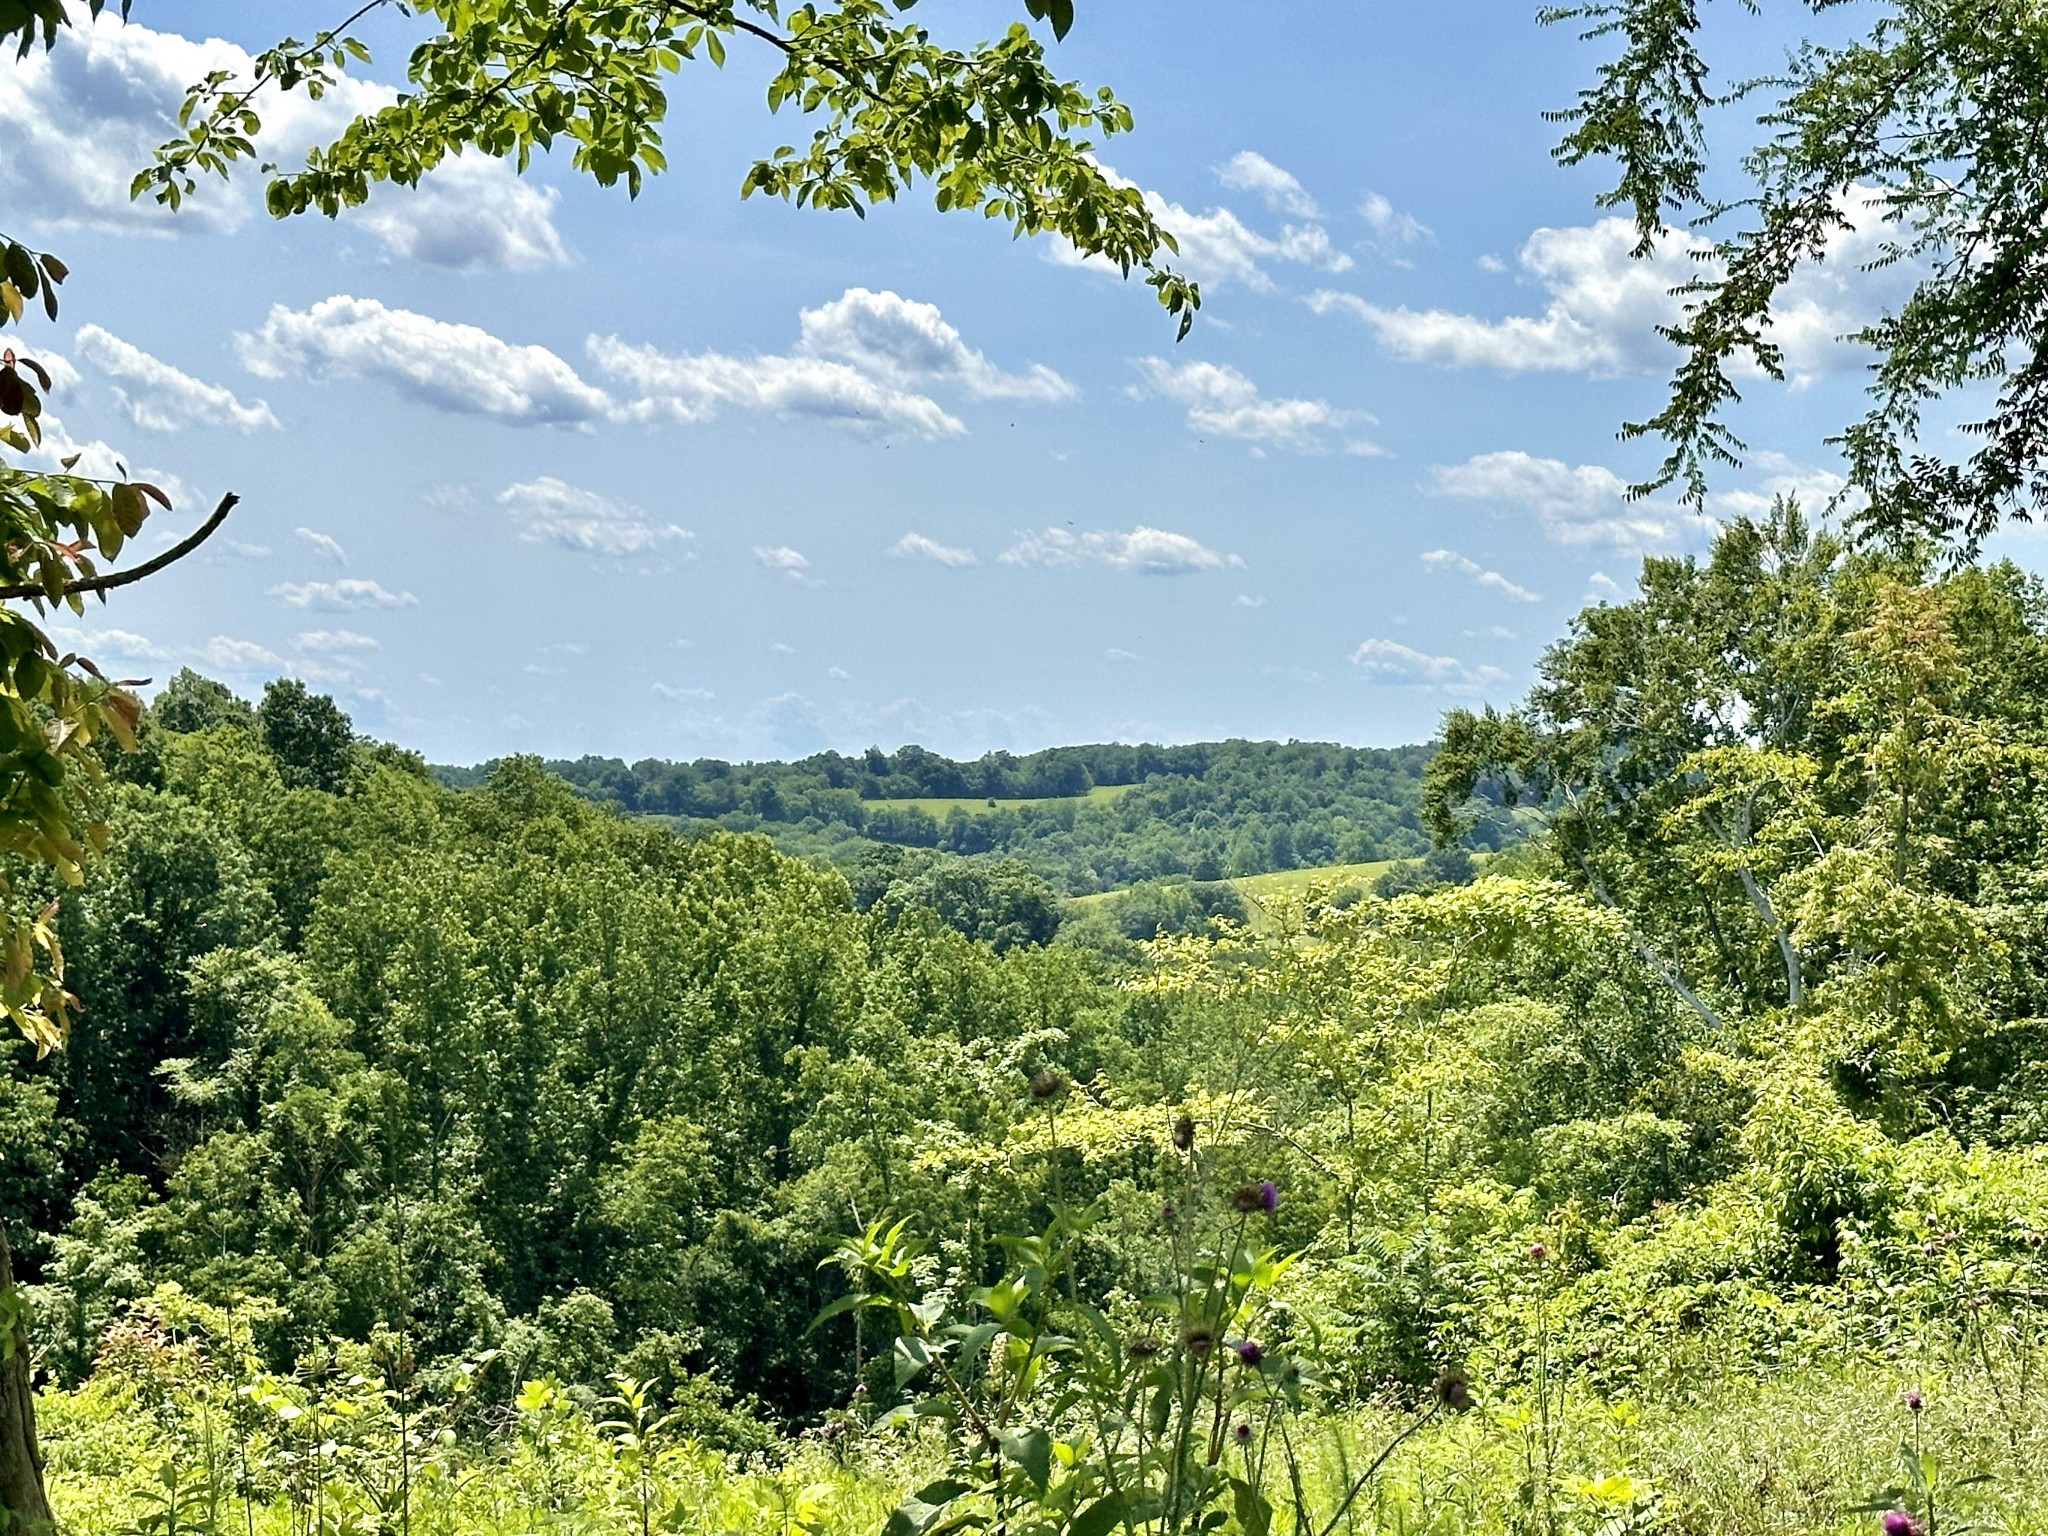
<point>938,807</point>
<point>1262,889</point>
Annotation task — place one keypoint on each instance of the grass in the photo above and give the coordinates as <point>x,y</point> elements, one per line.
<point>1259,891</point>
<point>939,807</point>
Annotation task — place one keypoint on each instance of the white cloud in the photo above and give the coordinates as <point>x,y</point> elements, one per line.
<point>838,674</point>
<point>683,695</point>
<point>1250,171</point>
<point>1117,653</point>
<point>1389,661</point>
<point>1393,232</point>
<point>469,214</point>
<point>232,655</point>
<point>915,546</point>
<point>1451,560</point>
<point>903,343</point>
<point>162,398</point>
<point>863,361</point>
<point>696,386</point>
<point>1586,504</point>
<point>347,594</point>
<point>551,511</point>
<point>81,119</point>
<point>248,551</point>
<point>124,643</point>
<point>1246,600</point>
<point>1218,248</point>
<point>323,544</point>
<point>334,641</point>
<point>1223,402</point>
<point>460,368</point>
<point>781,558</point>
<point>1603,588</point>
<point>1605,305</point>
<point>1814,489</point>
<point>1147,551</point>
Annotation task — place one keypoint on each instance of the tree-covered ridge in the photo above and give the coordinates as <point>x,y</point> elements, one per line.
<point>1209,810</point>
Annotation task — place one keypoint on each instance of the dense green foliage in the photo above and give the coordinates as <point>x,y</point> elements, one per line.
<point>460,1104</point>
<point>1209,810</point>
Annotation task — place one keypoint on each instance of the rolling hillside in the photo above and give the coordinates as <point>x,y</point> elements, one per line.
<point>1087,818</point>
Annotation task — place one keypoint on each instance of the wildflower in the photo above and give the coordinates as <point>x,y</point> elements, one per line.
<point>1914,1401</point>
<point>1146,1345</point>
<point>1242,1433</point>
<point>1184,1133</point>
<point>1263,1196</point>
<point>1898,1523</point>
<point>1454,1389</point>
<point>1198,1341</point>
<point>1168,1211</point>
<point>1538,1253</point>
<point>1250,1352</point>
<point>1048,1084</point>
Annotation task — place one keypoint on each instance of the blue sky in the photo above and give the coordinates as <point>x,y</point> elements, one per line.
<point>526,466</point>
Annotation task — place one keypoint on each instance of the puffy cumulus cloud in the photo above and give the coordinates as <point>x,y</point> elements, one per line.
<point>697,386</point>
<point>1815,489</point>
<point>95,643</point>
<point>1451,560</point>
<point>1605,305</point>
<point>470,215</point>
<point>552,511</point>
<point>1223,402</point>
<point>1219,248</point>
<point>915,546</point>
<point>1573,504</point>
<point>82,117</point>
<point>350,593</point>
<point>323,544</point>
<point>1147,551</point>
<point>333,641</point>
<point>1393,232</point>
<point>1389,661</point>
<point>160,397</point>
<point>459,368</point>
<point>232,655</point>
<point>904,343</point>
<point>1279,190</point>
<point>864,361</point>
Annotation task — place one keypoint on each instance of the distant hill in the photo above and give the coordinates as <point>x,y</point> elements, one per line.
<point>1087,818</point>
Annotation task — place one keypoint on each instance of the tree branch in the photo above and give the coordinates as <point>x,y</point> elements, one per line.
<point>1649,956</point>
<point>114,579</point>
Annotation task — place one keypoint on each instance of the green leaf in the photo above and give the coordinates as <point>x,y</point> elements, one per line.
<point>1099,1518</point>
<point>1031,1449</point>
<point>917,1514</point>
<point>1254,1513</point>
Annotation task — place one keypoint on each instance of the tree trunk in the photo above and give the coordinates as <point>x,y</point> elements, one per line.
<point>24,1507</point>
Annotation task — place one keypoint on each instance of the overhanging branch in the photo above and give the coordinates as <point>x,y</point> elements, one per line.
<point>114,579</point>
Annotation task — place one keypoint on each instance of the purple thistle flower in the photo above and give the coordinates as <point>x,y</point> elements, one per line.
<point>1898,1523</point>
<point>1269,1196</point>
<point>1249,1351</point>
<point>1914,1401</point>
<point>1538,1253</point>
<point>1243,1432</point>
